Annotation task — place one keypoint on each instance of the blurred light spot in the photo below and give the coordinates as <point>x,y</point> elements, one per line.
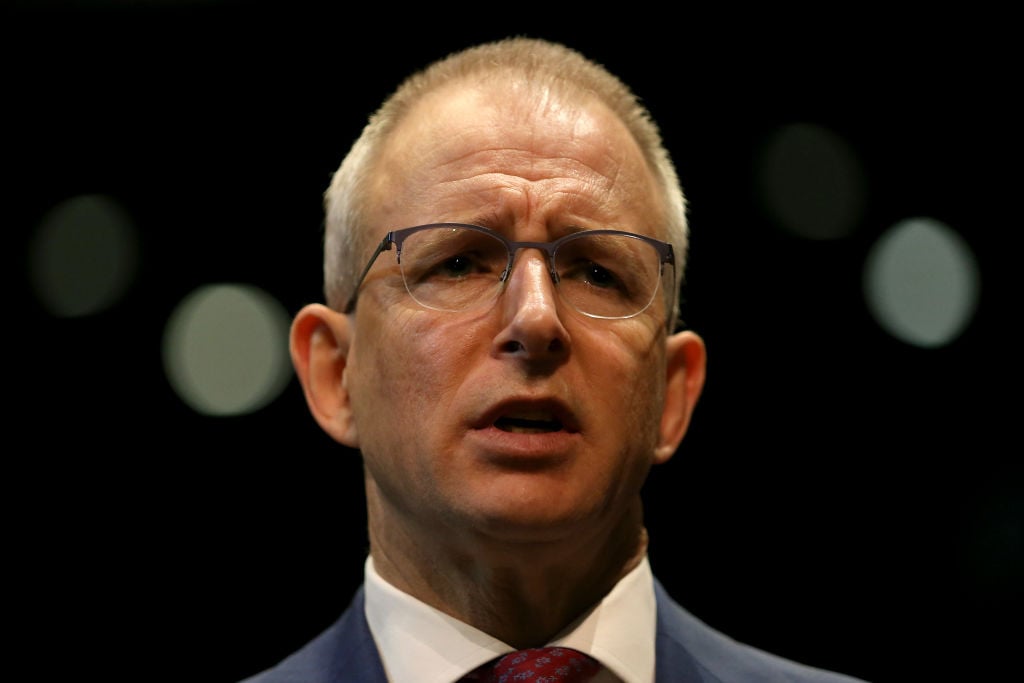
<point>83,256</point>
<point>811,182</point>
<point>922,282</point>
<point>225,349</point>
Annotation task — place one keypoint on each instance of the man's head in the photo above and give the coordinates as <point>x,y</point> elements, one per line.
<point>524,420</point>
<point>511,65</point>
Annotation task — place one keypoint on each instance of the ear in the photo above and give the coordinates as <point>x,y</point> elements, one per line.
<point>686,363</point>
<point>319,346</point>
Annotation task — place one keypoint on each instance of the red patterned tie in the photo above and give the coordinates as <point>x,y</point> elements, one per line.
<point>537,665</point>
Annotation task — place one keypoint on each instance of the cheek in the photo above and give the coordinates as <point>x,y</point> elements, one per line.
<point>632,362</point>
<point>626,386</point>
<point>640,405</point>
<point>402,395</point>
<point>413,370</point>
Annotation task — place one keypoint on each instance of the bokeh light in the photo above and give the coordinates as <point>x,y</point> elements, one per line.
<point>811,181</point>
<point>921,282</point>
<point>226,349</point>
<point>84,256</point>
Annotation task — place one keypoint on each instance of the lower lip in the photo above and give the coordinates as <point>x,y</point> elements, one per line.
<point>499,444</point>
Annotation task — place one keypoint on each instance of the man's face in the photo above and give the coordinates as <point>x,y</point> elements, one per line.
<point>527,421</point>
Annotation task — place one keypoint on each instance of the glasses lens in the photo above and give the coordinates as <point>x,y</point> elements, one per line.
<point>459,268</point>
<point>451,268</point>
<point>608,275</point>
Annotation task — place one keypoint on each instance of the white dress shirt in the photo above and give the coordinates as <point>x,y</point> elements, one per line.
<point>419,644</point>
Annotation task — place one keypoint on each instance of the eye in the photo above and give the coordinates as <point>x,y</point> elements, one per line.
<point>598,276</point>
<point>452,256</point>
<point>462,265</point>
<point>456,266</point>
<point>586,272</point>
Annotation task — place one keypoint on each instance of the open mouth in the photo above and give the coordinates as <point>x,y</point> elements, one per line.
<point>527,425</point>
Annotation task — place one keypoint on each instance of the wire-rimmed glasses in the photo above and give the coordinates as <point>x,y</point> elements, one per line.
<point>458,267</point>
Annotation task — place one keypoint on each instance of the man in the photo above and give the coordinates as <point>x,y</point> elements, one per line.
<point>503,250</point>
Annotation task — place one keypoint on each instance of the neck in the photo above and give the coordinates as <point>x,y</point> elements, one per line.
<point>524,593</point>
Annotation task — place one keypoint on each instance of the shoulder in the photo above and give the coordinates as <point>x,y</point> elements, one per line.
<point>344,651</point>
<point>690,650</point>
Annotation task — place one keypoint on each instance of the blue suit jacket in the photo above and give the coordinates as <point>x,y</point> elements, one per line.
<point>687,651</point>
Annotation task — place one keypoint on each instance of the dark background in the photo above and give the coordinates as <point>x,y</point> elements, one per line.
<point>842,499</point>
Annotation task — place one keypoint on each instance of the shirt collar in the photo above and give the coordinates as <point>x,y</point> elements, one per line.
<point>420,643</point>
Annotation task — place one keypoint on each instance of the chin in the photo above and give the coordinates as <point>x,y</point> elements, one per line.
<point>533,519</point>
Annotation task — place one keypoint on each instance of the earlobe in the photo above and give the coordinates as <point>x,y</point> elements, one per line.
<point>319,345</point>
<point>686,359</point>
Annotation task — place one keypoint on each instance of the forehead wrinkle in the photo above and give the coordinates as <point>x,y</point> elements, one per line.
<point>534,115</point>
<point>529,161</point>
<point>503,198</point>
<point>518,165</point>
<point>585,168</point>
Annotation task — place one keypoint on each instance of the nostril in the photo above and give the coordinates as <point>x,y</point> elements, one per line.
<point>555,346</point>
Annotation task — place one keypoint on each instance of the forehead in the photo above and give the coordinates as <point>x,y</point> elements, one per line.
<point>508,138</point>
<point>509,115</point>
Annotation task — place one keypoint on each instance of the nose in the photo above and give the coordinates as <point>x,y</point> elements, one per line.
<point>531,314</point>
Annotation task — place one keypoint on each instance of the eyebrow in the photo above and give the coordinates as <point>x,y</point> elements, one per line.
<point>492,221</point>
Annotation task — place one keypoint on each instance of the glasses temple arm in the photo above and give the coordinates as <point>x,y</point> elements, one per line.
<point>385,244</point>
